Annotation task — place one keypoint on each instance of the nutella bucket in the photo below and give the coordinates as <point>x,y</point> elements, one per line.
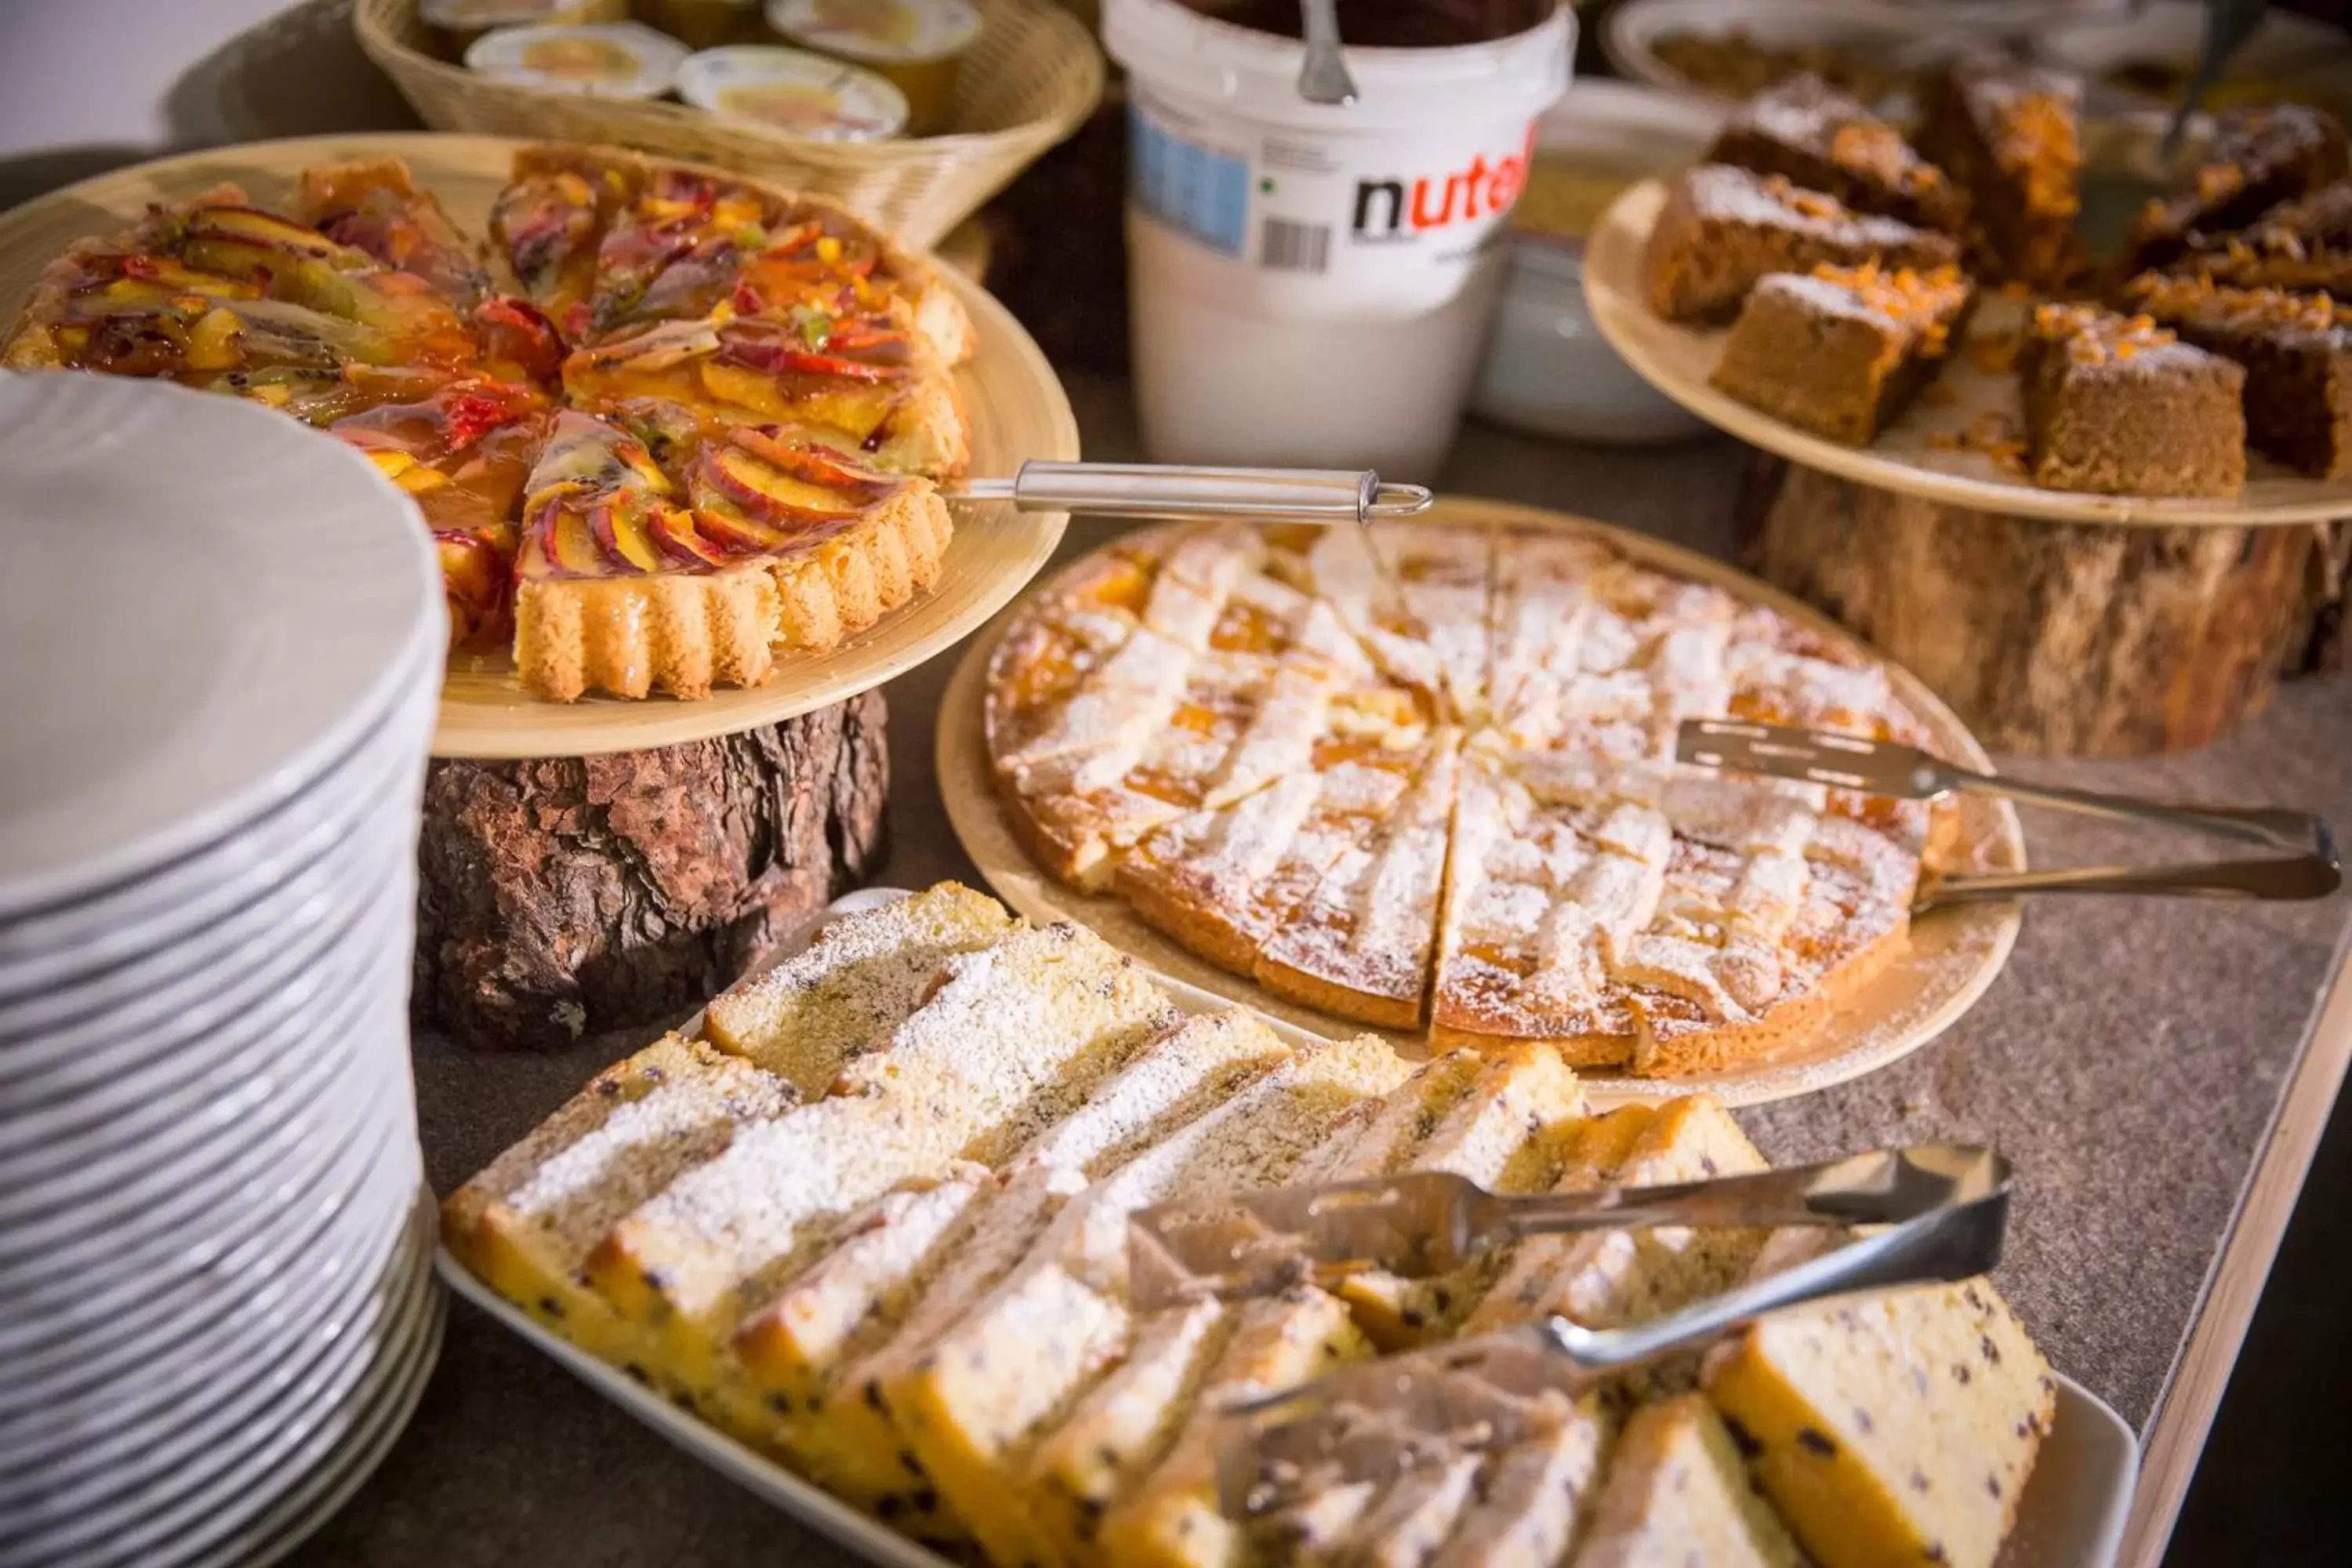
<point>1312,284</point>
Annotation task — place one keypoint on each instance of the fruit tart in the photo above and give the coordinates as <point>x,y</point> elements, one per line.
<point>701,429</point>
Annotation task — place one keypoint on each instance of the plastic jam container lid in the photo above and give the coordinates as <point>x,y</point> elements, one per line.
<point>793,93</point>
<point>470,17</point>
<point>878,32</point>
<point>609,59</point>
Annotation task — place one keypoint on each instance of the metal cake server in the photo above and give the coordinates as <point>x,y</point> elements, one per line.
<point>1184,490</point>
<point>1375,1420</point>
<point>2311,870</point>
<point>1421,1223</point>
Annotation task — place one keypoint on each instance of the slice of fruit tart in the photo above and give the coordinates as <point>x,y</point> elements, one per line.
<point>603,241</point>
<point>666,425</point>
<point>630,583</point>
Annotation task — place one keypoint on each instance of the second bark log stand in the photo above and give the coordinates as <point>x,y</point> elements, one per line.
<point>2060,638</point>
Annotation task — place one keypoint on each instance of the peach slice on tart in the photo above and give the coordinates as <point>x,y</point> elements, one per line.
<point>597,505</point>
<point>375,206</point>
<point>854,392</point>
<point>674,250</point>
<point>549,222</point>
<point>760,492</point>
<point>240,240</point>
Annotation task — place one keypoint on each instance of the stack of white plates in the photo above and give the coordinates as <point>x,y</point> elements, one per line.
<point>220,648</point>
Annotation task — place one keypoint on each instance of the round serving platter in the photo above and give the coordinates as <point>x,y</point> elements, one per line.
<point>1954,953</point>
<point>1919,455</point>
<point>1012,403</point>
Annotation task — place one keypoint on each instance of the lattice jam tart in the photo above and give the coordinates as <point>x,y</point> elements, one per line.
<point>1435,789</point>
<point>698,431</point>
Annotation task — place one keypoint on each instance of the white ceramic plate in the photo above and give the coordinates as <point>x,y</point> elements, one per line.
<point>1632,32</point>
<point>103,1428</point>
<point>222,1488</point>
<point>379,778</point>
<point>338,1457</point>
<point>131,1040</point>
<point>106,1271</point>
<point>300,1265</point>
<point>80,1147</point>
<point>218,604</point>
<point>133,951</point>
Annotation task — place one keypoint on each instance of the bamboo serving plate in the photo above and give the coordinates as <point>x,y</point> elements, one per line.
<point>1905,458</point>
<point>1010,397</point>
<point>1954,953</point>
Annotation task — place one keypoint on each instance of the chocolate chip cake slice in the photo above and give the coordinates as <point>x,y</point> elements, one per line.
<point>1724,227</point>
<point>1899,1428</point>
<point>1677,1494</point>
<point>1810,134</point>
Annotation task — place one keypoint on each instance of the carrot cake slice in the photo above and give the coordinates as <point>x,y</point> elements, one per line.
<point>2296,350</point>
<point>1818,137</point>
<point>2119,405</point>
<point>2006,132</point>
<point>2258,157</point>
<point>1724,228</point>
<point>1841,351</point>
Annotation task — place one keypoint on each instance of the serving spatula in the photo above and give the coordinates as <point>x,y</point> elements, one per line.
<point>1422,1224</point>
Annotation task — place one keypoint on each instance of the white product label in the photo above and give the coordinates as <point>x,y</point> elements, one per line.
<point>1385,221</point>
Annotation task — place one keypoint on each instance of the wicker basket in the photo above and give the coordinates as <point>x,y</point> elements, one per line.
<point>1031,80</point>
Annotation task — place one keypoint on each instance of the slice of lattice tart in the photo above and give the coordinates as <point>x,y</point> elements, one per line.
<point>631,582</point>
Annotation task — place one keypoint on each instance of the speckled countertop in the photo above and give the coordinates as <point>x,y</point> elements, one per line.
<point>2131,1059</point>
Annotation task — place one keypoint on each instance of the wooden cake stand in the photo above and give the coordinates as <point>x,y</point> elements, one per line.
<point>605,863</point>
<point>2052,622</point>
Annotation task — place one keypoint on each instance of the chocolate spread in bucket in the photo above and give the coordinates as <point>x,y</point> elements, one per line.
<point>1390,24</point>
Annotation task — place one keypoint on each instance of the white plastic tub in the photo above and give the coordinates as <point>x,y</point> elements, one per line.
<point>1312,283</point>
<point>1546,368</point>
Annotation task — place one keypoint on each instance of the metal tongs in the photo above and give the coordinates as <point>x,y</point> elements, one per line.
<point>1421,1223</point>
<point>2312,868</point>
<point>1327,496</point>
<point>1376,1420</point>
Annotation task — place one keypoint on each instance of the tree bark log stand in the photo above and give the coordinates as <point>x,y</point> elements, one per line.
<point>2089,639</point>
<point>568,895</point>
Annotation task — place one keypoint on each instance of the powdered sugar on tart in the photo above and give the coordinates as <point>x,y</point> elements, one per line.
<point>1423,776</point>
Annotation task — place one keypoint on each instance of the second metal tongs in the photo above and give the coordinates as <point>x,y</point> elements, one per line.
<point>1377,1420</point>
<point>2311,870</point>
<point>1327,496</point>
<point>1421,1223</point>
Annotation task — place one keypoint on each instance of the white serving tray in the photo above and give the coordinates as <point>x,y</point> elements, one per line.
<point>2071,1515</point>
